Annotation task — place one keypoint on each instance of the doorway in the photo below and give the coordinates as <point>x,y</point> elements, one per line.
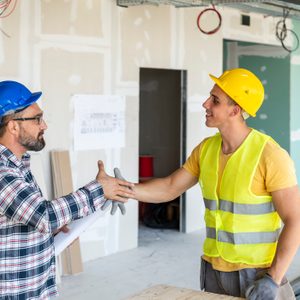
<point>162,135</point>
<point>272,65</point>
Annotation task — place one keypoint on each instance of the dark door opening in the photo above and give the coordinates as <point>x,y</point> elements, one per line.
<point>162,132</point>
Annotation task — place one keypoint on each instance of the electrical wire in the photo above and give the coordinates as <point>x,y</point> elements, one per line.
<point>6,34</point>
<point>4,12</point>
<point>211,9</point>
<point>4,5</point>
<point>282,32</point>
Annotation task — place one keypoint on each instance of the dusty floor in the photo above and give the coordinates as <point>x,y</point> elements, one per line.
<point>163,257</point>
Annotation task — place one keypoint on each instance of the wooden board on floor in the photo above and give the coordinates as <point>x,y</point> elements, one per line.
<point>167,292</point>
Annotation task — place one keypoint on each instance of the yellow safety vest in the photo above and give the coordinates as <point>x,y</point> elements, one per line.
<point>240,226</point>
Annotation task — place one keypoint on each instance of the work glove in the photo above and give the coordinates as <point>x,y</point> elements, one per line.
<point>264,288</point>
<point>115,204</point>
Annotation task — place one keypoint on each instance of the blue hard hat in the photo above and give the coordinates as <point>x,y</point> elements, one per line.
<point>15,96</point>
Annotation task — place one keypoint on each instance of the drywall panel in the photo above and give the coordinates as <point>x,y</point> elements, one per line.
<point>261,29</point>
<point>128,164</point>
<point>75,18</point>
<point>145,39</point>
<point>65,73</point>
<point>85,170</point>
<point>10,45</point>
<point>128,227</point>
<point>132,126</point>
<point>202,54</point>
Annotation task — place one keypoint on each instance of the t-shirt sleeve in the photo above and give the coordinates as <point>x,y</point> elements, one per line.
<point>192,163</point>
<point>280,170</point>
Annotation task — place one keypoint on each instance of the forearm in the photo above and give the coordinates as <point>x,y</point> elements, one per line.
<point>155,191</point>
<point>164,189</point>
<point>288,244</point>
<point>76,205</point>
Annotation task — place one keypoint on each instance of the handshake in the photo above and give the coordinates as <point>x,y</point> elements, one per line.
<point>115,204</point>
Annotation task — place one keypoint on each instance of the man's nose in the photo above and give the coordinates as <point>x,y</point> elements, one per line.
<point>206,103</point>
<point>44,125</point>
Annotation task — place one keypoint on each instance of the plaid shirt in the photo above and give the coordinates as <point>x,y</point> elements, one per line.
<point>27,222</point>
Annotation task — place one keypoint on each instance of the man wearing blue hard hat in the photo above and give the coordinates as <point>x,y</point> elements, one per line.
<point>27,219</point>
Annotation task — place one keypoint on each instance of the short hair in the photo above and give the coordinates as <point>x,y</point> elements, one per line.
<point>245,115</point>
<point>231,101</point>
<point>6,119</point>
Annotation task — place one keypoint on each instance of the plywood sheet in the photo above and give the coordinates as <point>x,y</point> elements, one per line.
<point>71,259</point>
<point>62,182</point>
<point>166,292</point>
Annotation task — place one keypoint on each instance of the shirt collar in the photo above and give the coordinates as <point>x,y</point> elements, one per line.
<point>6,154</point>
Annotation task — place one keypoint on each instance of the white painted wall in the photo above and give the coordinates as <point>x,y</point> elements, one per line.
<point>94,47</point>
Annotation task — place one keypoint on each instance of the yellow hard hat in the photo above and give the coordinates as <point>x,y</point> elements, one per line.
<point>243,87</point>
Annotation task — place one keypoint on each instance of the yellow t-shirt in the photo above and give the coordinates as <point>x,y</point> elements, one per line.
<point>274,172</point>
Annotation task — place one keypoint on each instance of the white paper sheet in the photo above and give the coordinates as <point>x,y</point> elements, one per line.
<point>99,122</point>
<point>63,240</point>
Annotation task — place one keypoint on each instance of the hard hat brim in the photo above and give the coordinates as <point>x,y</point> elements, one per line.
<point>214,78</point>
<point>217,81</point>
<point>219,84</point>
<point>34,97</point>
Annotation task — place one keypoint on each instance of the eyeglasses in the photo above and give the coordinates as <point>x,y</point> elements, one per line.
<point>39,119</point>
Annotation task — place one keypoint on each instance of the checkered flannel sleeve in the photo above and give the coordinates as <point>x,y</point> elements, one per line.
<point>22,202</point>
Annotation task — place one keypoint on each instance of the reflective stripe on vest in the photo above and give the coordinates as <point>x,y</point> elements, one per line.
<point>240,226</point>
<point>243,237</point>
<point>238,208</point>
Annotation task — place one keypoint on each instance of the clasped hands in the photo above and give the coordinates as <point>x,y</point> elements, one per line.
<point>116,190</point>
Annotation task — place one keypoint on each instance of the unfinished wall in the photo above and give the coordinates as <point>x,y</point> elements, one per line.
<point>94,47</point>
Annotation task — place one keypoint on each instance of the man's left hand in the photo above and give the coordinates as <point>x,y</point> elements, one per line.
<point>262,289</point>
<point>64,229</point>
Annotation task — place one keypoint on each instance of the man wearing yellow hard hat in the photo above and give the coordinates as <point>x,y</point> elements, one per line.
<point>249,190</point>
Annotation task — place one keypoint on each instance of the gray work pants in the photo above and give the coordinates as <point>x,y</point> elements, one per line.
<point>235,283</point>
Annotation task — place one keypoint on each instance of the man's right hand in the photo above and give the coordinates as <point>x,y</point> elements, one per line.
<point>115,204</point>
<point>264,288</point>
<point>114,188</point>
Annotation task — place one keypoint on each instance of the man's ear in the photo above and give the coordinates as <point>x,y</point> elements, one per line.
<point>236,110</point>
<point>12,127</point>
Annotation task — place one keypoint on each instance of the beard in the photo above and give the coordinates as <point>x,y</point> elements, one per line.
<point>31,143</point>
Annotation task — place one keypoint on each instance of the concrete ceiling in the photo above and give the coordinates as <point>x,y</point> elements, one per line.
<point>266,7</point>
